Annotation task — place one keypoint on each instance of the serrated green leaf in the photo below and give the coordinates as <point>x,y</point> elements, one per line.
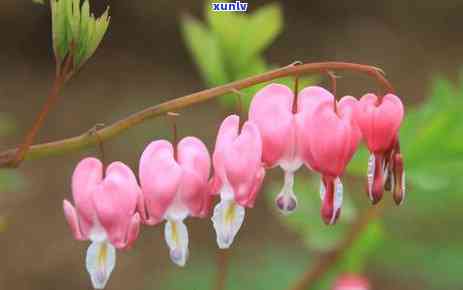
<point>72,23</point>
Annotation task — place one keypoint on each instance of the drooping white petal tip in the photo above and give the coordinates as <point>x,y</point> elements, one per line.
<point>100,262</point>
<point>338,197</point>
<point>370,175</point>
<point>286,203</point>
<point>176,235</point>
<point>227,220</point>
<point>286,200</point>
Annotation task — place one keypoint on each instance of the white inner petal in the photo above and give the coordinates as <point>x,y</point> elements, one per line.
<point>286,200</point>
<point>176,235</point>
<point>100,262</point>
<point>322,190</point>
<point>97,232</point>
<point>338,193</point>
<point>177,210</point>
<point>291,165</point>
<point>227,220</point>
<point>370,175</point>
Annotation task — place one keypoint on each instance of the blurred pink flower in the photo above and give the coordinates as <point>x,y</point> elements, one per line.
<point>351,282</point>
<point>238,176</point>
<point>379,121</point>
<point>175,186</point>
<point>104,213</point>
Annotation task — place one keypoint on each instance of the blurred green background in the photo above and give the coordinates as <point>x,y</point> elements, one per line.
<point>159,50</point>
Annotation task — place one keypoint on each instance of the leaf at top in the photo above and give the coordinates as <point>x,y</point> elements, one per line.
<point>262,28</point>
<point>206,52</point>
<point>228,27</point>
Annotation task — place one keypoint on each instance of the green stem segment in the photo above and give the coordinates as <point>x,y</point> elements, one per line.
<point>108,132</point>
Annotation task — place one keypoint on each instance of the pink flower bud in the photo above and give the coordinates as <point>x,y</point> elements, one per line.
<point>351,282</point>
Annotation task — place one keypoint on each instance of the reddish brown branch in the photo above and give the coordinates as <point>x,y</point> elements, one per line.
<point>63,73</point>
<point>84,140</point>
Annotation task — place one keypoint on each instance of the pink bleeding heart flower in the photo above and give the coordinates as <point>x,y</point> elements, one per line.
<point>379,121</point>
<point>328,142</point>
<point>351,282</point>
<point>238,176</point>
<point>104,213</point>
<point>272,110</point>
<point>175,185</point>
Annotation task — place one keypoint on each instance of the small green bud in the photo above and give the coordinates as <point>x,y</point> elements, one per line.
<point>76,30</point>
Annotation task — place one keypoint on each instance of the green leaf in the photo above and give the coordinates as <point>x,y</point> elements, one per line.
<point>205,49</point>
<point>228,29</point>
<point>73,26</point>
<point>262,28</point>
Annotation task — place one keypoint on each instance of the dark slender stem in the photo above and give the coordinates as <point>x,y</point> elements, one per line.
<point>61,77</point>
<point>333,81</point>
<point>173,119</point>
<point>334,88</point>
<point>222,270</point>
<point>239,104</point>
<point>38,123</point>
<point>101,150</point>
<point>326,261</point>
<point>84,140</point>
<point>296,92</point>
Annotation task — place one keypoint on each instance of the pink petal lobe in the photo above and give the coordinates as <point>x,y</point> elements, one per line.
<point>87,175</point>
<point>132,232</point>
<point>160,177</point>
<point>195,161</point>
<point>271,111</point>
<point>347,107</point>
<point>242,160</point>
<point>329,140</point>
<point>309,99</point>
<point>379,124</point>
<point>116,201</point>
<point>72,220</point>
<point>228,132</point>
<point>248,201</point>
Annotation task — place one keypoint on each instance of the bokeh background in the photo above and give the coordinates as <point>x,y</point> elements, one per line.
<point>153,53</point>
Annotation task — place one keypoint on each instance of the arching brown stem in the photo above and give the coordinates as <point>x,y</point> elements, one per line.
<point>84,140</point>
